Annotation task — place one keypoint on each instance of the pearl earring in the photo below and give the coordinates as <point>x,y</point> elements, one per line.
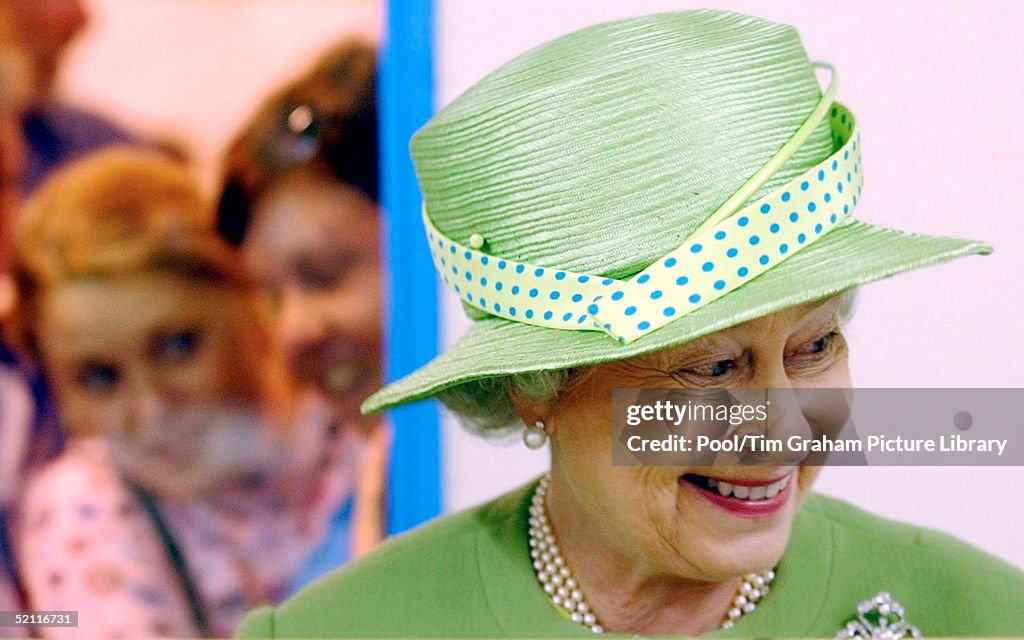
<point>534,437</point>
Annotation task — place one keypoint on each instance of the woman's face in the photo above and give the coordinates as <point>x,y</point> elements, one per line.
<point>655,517</point>
<point>173,372</point>
<point>315,247</point>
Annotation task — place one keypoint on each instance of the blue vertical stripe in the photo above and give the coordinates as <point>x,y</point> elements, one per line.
<point>406,102</point>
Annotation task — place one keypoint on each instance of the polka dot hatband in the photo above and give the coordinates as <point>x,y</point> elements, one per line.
<point>712,263</point>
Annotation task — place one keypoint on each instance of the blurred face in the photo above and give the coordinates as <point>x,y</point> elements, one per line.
<point>671,520</point>
<point>46,28</point>
<point>314,246</point>
<point>164,368</point>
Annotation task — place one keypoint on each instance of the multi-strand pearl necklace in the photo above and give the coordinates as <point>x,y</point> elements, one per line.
<point>560,585</point>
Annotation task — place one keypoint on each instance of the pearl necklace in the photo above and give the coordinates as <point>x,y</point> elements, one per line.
<point>560,585</point>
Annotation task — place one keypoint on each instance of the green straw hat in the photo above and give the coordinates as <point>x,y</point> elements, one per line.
<point>637,185</point>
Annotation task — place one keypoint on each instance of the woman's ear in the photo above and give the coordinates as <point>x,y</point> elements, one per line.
<point>530,410</point>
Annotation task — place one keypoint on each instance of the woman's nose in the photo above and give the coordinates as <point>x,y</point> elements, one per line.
<point>773,388</point>
<point>299,321</point>
<point>146,415</point>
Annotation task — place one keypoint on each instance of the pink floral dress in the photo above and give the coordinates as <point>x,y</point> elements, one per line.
<point>87,542</point>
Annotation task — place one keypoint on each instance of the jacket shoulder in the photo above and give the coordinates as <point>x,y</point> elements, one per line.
<point>425,582</point>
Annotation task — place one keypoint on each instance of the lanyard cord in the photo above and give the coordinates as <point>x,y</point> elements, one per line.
<point>177,560</point>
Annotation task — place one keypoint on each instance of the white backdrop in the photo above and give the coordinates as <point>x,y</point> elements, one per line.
<point>936,87</point>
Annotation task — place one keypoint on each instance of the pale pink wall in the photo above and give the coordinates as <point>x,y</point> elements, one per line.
<point>937,89</point>
<point>196,69</point>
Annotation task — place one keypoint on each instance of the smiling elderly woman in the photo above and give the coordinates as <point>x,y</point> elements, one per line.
<point>662,202</point>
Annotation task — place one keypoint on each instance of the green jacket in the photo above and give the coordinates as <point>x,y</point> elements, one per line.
<point>470,574</point>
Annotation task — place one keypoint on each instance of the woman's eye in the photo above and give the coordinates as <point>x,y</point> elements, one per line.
<point>722,367</point>
<point>177,346</point>
<point>317,276</point>
<point>820,346</point>
<point>98,377</point>
<point>716,369</point>
<point>318,280</point>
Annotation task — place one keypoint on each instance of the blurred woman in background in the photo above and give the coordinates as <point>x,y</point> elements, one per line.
<point>300,199</point>
<point>196,482</point>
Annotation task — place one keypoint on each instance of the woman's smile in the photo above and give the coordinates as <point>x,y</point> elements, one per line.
<point>741,497</point>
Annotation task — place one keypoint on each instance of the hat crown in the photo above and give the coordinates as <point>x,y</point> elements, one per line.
<point>603,150</point>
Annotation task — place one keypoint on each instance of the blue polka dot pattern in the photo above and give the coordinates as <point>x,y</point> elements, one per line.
<point>751,240</point>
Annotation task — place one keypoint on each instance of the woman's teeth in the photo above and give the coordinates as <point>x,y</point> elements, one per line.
<point>748,493</point>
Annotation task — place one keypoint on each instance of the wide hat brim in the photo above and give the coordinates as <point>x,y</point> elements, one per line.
<point>852,254</point>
